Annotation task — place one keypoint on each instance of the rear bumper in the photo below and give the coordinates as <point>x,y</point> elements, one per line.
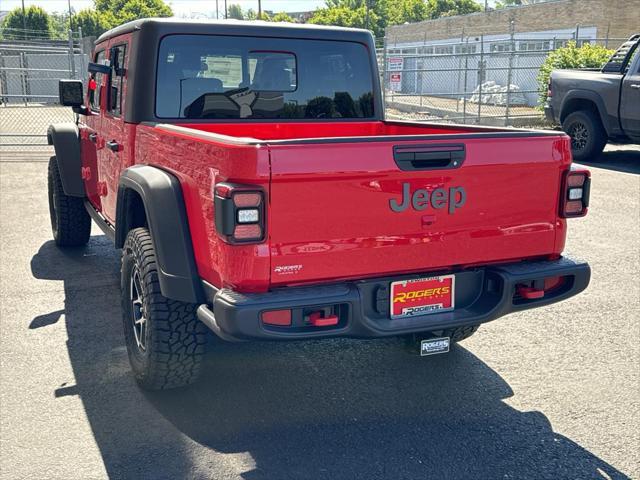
<point>549,114</point>
<point>481,295</point>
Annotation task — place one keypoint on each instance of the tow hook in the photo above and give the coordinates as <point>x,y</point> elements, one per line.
<point>529,293</point>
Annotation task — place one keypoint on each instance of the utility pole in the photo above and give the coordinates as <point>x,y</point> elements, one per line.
<point>70,15</point>
<point>226,12</point>
<point>217,11</point>
<point>366,22</point>
<point>24,21</point>
<point>259,9</point>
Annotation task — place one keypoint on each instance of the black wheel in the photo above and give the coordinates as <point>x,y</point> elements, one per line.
<point>165,341</point>
<point>70,222</point>
<point>588,136</point>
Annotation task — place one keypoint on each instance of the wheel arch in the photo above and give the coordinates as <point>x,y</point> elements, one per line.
<point>584,100</point>
<point>151,197</point>
<point>65,139</point>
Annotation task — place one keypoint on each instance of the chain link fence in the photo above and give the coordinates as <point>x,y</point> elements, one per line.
<point>489,80</point>
<point>31,63</point>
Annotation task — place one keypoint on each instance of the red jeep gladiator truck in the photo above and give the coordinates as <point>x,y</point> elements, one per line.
<point>248,175</point>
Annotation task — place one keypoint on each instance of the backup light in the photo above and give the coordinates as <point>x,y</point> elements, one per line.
<point>248,215</point>
<point>575,194</point>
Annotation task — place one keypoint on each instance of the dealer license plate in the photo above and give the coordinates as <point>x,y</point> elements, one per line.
<point>421,296</point>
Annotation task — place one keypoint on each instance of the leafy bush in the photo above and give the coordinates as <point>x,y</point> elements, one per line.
<point>571,56</point>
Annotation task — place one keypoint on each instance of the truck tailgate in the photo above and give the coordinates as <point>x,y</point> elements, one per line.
<point>353,209</point>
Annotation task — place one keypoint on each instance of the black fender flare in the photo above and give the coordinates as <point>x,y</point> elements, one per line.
<point>65,139</point>
<point>161,195</point>
<point>578,94</point>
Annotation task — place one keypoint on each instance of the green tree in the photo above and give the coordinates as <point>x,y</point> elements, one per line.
<point>448,8</point>
<point>92,22</point>
<point>235,11</point>
<point>346,17</point>
<point>34,19</point>
<point>571,56</point>
<point>59,25</point>
<point>282,17</point>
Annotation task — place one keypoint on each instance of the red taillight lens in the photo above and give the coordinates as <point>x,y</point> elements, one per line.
<point>247,232</point>
<point>279,318</point>
<point>239,213</point>
<point>575,194</point>
<point>243,200</point>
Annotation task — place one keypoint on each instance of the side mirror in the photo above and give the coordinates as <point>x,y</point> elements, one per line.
<point>70,93</point>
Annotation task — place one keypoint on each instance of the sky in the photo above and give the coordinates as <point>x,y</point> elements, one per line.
<point>180,7</point>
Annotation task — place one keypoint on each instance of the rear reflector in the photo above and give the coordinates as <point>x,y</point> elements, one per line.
<point>280,318</point>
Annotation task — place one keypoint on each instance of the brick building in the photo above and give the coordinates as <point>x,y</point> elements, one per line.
<point>603,18</point>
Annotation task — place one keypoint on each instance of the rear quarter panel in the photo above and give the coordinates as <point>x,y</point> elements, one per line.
<point>199,165</point>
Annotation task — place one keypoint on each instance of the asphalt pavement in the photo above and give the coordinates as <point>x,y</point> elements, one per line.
<point>549,393</point>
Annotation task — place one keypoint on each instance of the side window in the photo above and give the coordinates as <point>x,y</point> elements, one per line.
<point>118,72</point>
<point>94,95</point>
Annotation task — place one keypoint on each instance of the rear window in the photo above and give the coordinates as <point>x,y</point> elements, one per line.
<point>225,77</point>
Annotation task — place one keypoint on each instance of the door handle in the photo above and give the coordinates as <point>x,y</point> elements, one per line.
<point>114,146</point>
<point>93,137</point>
<point>635,85</point>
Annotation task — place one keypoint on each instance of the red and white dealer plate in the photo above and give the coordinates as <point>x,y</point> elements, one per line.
<point>421,296</point>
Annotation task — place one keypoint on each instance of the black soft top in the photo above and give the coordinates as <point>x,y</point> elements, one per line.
<point>258,28</point>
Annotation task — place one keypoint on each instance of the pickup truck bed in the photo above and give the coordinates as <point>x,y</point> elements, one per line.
<point>329,188</point>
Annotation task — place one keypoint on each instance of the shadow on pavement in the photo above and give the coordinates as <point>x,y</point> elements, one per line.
<point>324,409</point>
<point>627,160</point>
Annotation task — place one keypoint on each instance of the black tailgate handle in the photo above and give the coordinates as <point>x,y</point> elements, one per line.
<point>429,157</point>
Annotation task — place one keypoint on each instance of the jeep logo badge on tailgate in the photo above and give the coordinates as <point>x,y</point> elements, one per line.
<point>454,197</point>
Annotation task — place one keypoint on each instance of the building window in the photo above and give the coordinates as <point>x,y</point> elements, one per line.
<point>466,49</point>
<point>500,47</point>
<point>443,49</point>
<point>532,46</point>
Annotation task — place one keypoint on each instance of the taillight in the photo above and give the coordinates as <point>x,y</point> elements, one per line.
<point>575,193</point>
<point>239,213</point>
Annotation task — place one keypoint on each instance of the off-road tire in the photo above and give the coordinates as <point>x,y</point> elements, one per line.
<point>70,222</point>
<point>588,136</point>
<point>174,339</point>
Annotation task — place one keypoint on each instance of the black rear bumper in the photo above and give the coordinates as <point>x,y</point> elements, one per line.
<point>481,295</point>
<point>549,114</point>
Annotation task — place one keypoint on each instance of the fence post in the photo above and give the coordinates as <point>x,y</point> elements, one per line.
<point>23,78</point>
<point>464,91</point>
<point>83,67</point>
<point>512,49</point>
<point>384,72</point>
<point>72,60</point>
<point>481,75</point>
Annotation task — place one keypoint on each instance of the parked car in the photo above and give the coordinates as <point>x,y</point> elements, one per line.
<point>249,177</point>
<point>594,107</point>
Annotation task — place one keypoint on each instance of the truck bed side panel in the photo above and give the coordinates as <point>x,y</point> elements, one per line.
<point>199,165</point>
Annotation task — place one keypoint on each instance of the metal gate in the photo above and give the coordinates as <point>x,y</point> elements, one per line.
<point>31,63</point>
